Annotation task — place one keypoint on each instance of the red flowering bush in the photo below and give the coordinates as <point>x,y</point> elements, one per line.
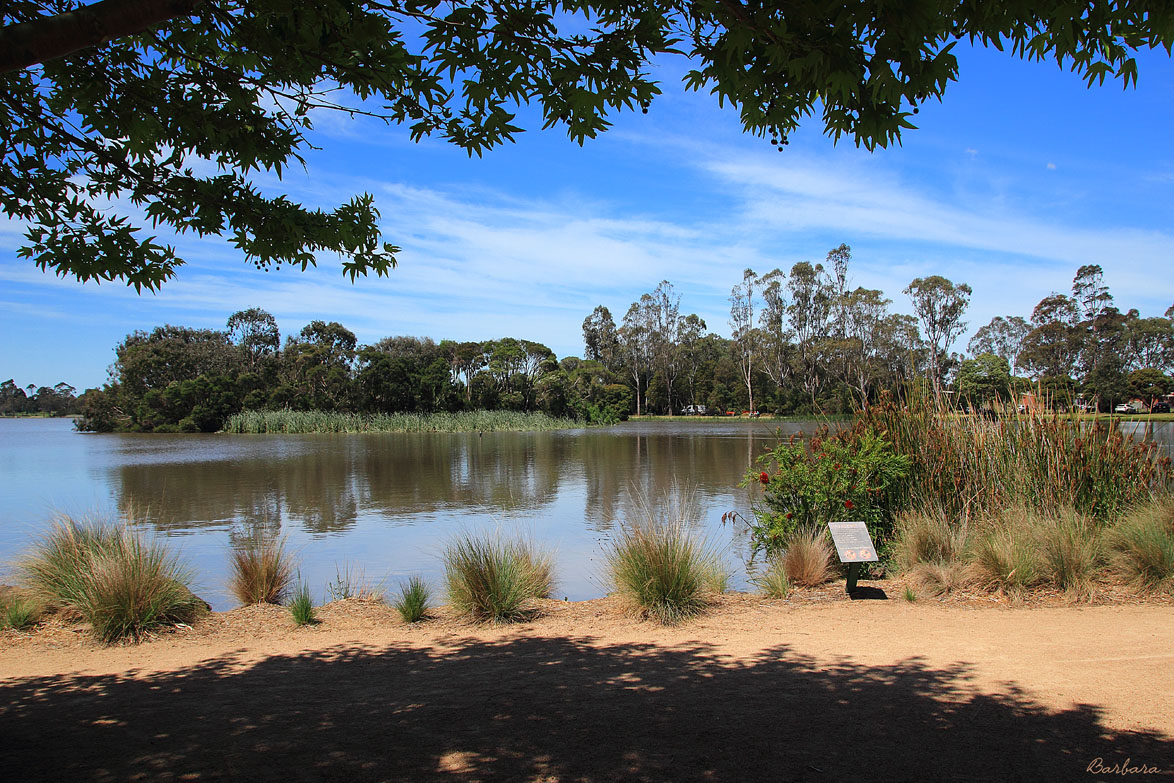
<point>850,475</point>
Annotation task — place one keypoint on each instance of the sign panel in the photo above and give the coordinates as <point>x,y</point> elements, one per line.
<point>853,544</point>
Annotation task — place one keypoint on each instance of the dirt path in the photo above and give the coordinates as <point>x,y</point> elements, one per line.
<point>756,691</point>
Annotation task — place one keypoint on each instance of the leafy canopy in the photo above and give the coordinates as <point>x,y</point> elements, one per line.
<point>123,114</point>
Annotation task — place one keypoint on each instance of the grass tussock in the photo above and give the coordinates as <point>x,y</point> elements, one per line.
<point>493,579</point>
<point>1004,555</point>
<point>772,580</point>
<point>20,612</point>
<point>301,606</point>
<point>414,600</point>
<point>124,584</point>
<point>260,571</point>
<point>290,422</point>
<point>1141,545</point>
<point>663,571</point>
<point>807,560</point>
<point>1071,552</point>
<point>939,578</point>
<point>351,583</point>
<point>927,536</point>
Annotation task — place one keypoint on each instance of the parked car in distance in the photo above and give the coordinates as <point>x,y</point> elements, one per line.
<point>1160,407</point>
<point>695,410</point>
<point>1124,407</point>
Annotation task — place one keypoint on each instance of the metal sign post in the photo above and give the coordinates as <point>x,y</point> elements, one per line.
<point>853,546</point>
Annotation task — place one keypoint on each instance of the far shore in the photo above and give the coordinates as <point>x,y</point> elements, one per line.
<point>814,688</point>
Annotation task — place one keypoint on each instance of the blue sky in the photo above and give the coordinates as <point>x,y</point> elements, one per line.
<point>1021,175</point>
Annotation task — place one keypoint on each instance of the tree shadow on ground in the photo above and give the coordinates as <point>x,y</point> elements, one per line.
<point>544,709</point>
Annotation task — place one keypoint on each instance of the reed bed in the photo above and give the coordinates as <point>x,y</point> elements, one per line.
<point>303,422</point>
<point>966,464</point>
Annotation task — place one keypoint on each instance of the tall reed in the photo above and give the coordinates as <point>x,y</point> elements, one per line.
<point>289,421</point>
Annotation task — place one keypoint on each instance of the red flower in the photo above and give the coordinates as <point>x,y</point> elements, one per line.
<point>848,504</point>
<point>765,479</point>
<point>789,515</point>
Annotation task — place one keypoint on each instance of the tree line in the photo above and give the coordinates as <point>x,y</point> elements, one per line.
<point>801,342</point>
<point>805,341</point>
<point>179,379</point>
<point>58,400</point>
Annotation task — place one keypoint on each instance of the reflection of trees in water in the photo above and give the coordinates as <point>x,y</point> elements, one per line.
<point>618,468</point>
<point>324,488</point>
<point>404,476</point>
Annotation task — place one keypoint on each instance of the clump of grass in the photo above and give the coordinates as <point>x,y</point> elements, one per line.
<point>349,583</point>
<point>122,583</point>
<point>926,535</point>
<point>489,578</point>
<point>260,570</point>
<point>772,581</point>
<point>939,578</point>
<point>1070,552</point>
<point>19,613</point>
<point>1004,555</point>
<point>412,604</point>
<point>301,606</point>
<point>807,559</point>
<point>1142,545</point>
<point>663,571</point>
<point>910,595</point>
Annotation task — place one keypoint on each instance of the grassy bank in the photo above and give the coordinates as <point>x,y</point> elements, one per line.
<point>297,422</point>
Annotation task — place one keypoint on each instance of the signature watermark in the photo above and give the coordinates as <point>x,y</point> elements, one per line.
<point>1098,766</point>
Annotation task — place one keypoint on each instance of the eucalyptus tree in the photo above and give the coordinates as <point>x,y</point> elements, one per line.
<point>939,306</point>
<point>255,332</point>
<point>1052,346</point>
<point>665,330</point>
<point>694,352</point>
<point>746,338</point>
<point>1002,337</point>
<point>636,343</point>
<point>171,106</point>
<point>601,340</point>
<point>864,313</point>
<point>809,313</point>
<point>777,348</point>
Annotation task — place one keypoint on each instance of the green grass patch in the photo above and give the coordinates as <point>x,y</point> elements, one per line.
<point>414,600</point>
<point>772,580</point>
<point>20,612</point>
<point>297,422</point>
<point>493,579</point>
<point>301,606</point>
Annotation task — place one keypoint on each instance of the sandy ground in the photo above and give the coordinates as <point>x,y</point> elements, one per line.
<point>757,690</point>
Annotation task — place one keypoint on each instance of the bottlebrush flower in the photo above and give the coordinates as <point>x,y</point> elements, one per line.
<point>848,504</point>
<point>763,477</point>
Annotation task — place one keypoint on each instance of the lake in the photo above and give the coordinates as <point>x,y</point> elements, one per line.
<point>386,504</point>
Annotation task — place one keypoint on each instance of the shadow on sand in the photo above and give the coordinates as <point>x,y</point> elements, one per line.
<point>544,709</point>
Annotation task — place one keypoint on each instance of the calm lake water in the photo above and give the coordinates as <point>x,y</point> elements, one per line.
<point>385,504</point>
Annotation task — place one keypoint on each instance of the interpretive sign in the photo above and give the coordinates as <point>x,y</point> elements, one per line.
<point>853,544</point>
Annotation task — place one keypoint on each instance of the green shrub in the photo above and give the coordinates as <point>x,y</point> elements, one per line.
<point>412,604</point>
<point>489,578</point>
<point>260,571</point>
<point>1142,545</point>
<point>910,596</point>
<point>301,606</point>
<point>846,476</point>
<point>123,584</point>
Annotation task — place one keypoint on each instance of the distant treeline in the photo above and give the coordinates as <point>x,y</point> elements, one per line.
<point>32,400</point>
<point>178,379</point>
<point>802,342</point>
